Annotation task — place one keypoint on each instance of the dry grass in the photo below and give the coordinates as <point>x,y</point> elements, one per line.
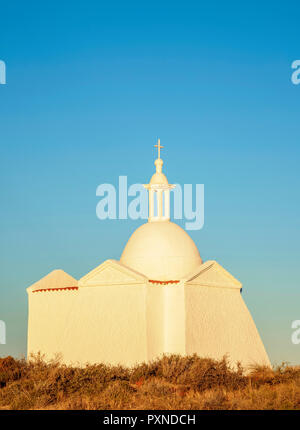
<point>171,382</point>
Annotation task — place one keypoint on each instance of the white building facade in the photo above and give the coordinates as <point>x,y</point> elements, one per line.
<point>160,298</point>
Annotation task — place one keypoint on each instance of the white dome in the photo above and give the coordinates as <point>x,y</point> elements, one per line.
<point>161,251</point>
<point>159,177</point>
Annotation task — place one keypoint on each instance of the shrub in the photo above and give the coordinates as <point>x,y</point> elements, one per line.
<point>171,382</point>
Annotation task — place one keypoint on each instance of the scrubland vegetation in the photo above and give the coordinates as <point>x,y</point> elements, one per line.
<point>171,382</point>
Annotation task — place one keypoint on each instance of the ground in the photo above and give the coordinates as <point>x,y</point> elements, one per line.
<point>172,382</point>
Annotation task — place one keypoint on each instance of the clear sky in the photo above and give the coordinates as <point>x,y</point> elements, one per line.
<point>92,85</point>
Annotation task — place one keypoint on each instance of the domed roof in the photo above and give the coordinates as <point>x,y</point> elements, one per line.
<point>158,177</point>
<point>161,251</point>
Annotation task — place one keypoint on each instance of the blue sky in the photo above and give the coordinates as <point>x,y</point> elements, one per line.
<point>92,85</point>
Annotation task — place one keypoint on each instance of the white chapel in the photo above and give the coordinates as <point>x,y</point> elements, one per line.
<point>159,298</point>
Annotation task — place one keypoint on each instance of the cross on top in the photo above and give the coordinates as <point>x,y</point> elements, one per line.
<point>158,146</point>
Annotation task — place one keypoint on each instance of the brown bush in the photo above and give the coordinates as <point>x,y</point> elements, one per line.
<point>172,382</point>
<point>10,370</point>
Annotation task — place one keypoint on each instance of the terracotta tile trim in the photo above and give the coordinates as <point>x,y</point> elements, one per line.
<point>152,281</point>
<point>55,289</point>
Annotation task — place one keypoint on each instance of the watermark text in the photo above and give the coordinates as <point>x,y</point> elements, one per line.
<point>296,74</point>
<point>296,333</point>
<point>2,333</point>
<point>2,72</point>
<point>131,202</point>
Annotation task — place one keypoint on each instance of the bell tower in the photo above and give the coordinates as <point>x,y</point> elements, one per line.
<point>159,192</point>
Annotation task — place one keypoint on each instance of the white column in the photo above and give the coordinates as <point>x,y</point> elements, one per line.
<point>167,204</point>
<point>151,203</point>
<point>159,204</point>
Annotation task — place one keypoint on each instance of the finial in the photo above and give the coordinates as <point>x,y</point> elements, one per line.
<point>158,146</point>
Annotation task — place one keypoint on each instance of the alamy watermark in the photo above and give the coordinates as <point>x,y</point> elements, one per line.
<point>188,202</point>
<point>2,333</point>
<point>296,74</point>
<point>2,72</point>
<point>296,333</point>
